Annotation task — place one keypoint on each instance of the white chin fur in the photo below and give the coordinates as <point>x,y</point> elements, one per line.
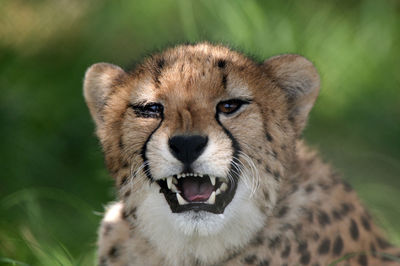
<point>202,235</point>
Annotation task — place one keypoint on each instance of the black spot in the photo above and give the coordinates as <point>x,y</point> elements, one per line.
<point>282,211</point>
<point>323,218</point>
<point>324,186</point>
<point>305,258</point>
<point>298,228</point>
<point>266,195</point>
<point>337,246</point>
<point>275,242</point>
<point>127,194</point>
<point>221,63</point>
<point>283,147</point>
<point>107,229</point>
<point>354,230</point>
<point>286,252</point>
<point>302,247</point>
<point>373,249</point>
<point>125,165</point>
<point>365,223</point>
<point>250,259</point>
<point>103,261</point>
<point>315,236</point>
<point>362,260</point>
<point>224,80</point>
<point>157,71</point>
<point>160,63</point>
<point>309,215</point>
<point>336,215</point>
<point>258,240</point>
<point>276,175</point>
<point>291,118</point>
<point>382,243</point>
<point>263,263</point>
<point>324,246</point>
<point>124,181</point>
<point>113,252</point>
<point>268,169</point>
<point>310,188</point>
<point>131,213</point>
<point>346,207</point>
<point>269,137</point>
<point>347,187</point>
<point>121,143</point>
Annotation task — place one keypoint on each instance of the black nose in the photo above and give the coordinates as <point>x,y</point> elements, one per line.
<point>187,148</point>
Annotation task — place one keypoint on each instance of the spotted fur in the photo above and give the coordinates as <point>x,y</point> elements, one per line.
<point>289,208</point>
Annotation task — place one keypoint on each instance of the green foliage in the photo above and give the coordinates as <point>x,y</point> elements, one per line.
<point>53,179</point>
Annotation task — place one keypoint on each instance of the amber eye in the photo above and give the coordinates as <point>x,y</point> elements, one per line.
<point>150,110</point>
<point>230,106</point>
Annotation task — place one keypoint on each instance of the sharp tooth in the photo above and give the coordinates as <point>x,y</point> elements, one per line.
<point>178,176</point>
<point>200,175</point>
<point>212,179</point>
<point>183,175</point>
<point>217,192</point>
<point>211,199</point>
<point>169,182</point>
<point>174,181</point>
<point>174,188</point>
<point>181,200</point>
<point>223,187</point>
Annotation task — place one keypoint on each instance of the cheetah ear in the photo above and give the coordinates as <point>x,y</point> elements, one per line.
<point>98,84</point>
<point>299,79</point>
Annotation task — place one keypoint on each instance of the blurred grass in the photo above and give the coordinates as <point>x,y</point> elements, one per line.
<point>53,180</point>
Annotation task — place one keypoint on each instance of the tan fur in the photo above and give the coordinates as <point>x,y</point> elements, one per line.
<point>289,209</point>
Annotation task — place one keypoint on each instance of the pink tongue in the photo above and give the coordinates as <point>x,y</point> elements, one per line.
<point>195,189</point>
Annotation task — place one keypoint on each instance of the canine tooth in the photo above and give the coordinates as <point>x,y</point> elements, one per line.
<point>178,176</point>
<point>223,187</point>
<point>174,181</point>
<point>181,200</point>
<point>212,179</point>
<point>169,182</point>
<point>174,188</point>
<point>211,199</point>
<point>200,175</point>
<point>217,192</point>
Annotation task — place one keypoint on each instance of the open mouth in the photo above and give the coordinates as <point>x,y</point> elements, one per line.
<point>197,192</point>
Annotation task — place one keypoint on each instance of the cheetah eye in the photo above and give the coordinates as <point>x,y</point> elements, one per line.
<point>230,106</point>
<point>150,110</point>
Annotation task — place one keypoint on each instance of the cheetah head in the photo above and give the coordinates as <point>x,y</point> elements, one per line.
<point>199,137</point>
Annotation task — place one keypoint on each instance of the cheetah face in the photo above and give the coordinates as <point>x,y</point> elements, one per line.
<point>188,134</point>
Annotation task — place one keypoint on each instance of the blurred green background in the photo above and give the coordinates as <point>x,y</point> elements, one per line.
<point>53,184</point>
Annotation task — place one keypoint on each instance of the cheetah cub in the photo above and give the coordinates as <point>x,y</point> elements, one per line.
<point>204,146</point>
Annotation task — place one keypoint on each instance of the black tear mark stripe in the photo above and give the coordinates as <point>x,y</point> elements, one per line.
<point>236,150</point>
<point>146,168</point>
